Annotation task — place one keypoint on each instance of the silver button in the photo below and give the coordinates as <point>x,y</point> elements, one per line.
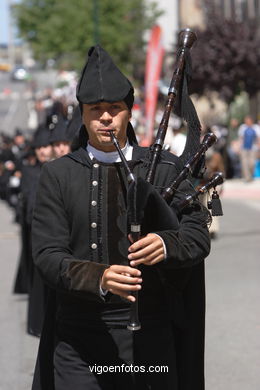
<point>93,203</point>
<point>94,183</point>
<point>93,225</point>
<point>96,165</point>
<point>94,246</point>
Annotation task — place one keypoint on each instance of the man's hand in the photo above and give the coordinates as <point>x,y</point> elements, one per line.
<point>148,250</point>
<point>121,280</point>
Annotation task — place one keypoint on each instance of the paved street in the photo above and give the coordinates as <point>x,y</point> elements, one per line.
<point>233,293</point>
<point>13,103</point>
<point>233,296</point>
<point>15,99</point>
<point>18,350</point>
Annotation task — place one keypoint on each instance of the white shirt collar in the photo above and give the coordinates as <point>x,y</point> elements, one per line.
<point>110,157</point>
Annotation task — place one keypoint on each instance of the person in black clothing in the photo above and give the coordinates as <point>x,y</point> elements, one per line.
<point>27,279</point>
<point>28,168</point>
<point>82,249</point>
<point>60,138</point>
<point>7,166</point>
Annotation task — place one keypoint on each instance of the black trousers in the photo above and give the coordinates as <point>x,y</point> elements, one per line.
<point>116,359</point>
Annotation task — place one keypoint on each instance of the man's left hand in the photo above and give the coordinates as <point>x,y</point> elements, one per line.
<point>148,250</point>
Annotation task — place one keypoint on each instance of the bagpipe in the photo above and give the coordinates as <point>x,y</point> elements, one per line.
<point>141,192</point>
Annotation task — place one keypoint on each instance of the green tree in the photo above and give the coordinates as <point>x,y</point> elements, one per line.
<point>65,29</point>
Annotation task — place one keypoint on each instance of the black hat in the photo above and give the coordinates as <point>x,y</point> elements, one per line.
<point>101,80</point>
<point>75,123</point>
<point>59,132</point>
<point>41,137</point>
<point>6,139</point>
<point>18,132</point>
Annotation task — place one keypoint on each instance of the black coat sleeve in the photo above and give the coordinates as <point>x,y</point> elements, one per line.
<point>190,243</point>
<point>50,243</point>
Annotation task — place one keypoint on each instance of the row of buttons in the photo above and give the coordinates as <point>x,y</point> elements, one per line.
<point>94,203</point>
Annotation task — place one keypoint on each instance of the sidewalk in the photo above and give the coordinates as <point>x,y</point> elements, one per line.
<point>239,189</point>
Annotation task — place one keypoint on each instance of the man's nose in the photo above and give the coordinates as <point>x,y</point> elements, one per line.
<point>106,116</point>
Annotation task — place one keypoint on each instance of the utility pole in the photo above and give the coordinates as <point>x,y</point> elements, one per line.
<point>96,34</point>
<point>11,46</point>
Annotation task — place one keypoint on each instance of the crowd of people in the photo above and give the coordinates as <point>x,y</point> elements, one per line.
<point>61,221</point>
<point>21,161</point>
<point>22,156</point>
<point>53,133</point>
<point>95,277</point>
<point>239,146</point>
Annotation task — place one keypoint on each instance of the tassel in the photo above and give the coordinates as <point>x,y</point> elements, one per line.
<point>215,205</point>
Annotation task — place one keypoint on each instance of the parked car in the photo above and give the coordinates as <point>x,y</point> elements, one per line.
<point>19,73</point>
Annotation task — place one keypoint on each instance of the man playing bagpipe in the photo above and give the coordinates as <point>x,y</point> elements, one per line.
<point>85,252</point>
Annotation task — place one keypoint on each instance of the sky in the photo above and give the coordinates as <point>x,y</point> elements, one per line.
<point>3,21</point>
<point>168,21</point>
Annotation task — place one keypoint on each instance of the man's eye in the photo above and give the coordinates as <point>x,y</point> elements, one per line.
<point>116,106</point>
<point>94,108</point>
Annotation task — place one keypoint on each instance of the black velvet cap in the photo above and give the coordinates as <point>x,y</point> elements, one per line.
<point>18,132</point>
<point>75,123</point>
<point>59,133</point>
<point>101,80</point>
<point>41,137</point>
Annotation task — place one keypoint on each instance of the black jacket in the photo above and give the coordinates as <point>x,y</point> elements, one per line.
<point>71,255</point>
<point>63,239</point>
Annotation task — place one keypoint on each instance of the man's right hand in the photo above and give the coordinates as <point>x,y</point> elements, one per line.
<point>121,280</point>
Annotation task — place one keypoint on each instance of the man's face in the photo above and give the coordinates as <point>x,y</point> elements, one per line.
<point>44,153</point>
<point>248,121</point>
<point>100,118</point>
<point>61,148</point>
<point>19,139</point>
